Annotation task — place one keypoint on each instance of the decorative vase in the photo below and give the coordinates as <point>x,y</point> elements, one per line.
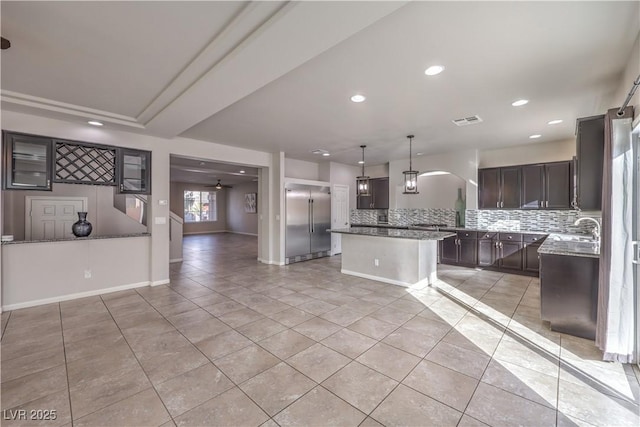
<point>81,228</point>
<point>460,206</point>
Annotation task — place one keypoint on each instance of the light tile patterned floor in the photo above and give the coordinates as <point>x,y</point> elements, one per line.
<point>232,342</point>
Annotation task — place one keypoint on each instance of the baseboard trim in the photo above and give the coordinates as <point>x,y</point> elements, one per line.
<point>160,282</point>
<point>264,261</point>
<point>175,260</point>
<point>244,234</point>
<point>203,232</point>
<point>77,295</point>
<point>420,284</point>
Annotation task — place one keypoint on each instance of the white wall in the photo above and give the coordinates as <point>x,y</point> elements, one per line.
<point>526,154</point>
<point>463,163</point>
<point>439,191</point>
<point>176,203</point>
<point>239,221</point>
<point>105,219</point>
<point>301,169</point>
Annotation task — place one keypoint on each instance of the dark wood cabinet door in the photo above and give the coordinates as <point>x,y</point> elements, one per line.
<point>486,252</point>
<point>380,188</point>
<point>558,183</point>
<point>530,258</point>
<point>511,255</point>
<point>589,160</point>
<point>468,254</point>
<point>364,202</point>
<point>134,171</point>
<point>533,186</point>
<point>449,253</point>
<point>510,187</point>
<point>28,162</point>
<point>489,188</point>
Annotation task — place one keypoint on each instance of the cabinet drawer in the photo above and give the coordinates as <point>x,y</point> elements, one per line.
<point>487,235</point>
<point>533,238</point>
<point>464,235</point>
<point>511,237</point>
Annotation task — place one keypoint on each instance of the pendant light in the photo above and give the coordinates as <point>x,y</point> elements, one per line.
<point>410,176</point>
<point>362,182</point>
<point>218,186</point>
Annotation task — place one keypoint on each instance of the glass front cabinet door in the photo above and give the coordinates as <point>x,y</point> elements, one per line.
<point>135,171</point>
<point>27,162</point>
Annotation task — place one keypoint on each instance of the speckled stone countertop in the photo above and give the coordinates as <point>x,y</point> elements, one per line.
<point>394,232</point>
<point>72,239</point>
<point>399,227</point>
<point>570,248</point>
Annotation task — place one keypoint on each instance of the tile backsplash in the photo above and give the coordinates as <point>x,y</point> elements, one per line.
<point>560,221</point>
<point>403,217</point>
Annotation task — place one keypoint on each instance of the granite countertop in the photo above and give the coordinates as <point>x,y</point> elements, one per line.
<point>580,248</point>
<point>394,232</point>
<point>70,239</point>
<point>398,227</point>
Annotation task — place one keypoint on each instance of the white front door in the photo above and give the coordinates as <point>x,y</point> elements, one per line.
<point>340,214</point>
<point>52,217</point>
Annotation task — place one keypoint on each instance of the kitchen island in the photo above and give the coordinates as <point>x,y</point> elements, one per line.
<point>395,256</point>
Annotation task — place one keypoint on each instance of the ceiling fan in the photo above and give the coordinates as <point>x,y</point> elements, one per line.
<point>219,186</point>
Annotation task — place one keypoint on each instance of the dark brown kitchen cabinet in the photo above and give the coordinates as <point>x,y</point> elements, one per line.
<point>536,186</point>
<point>533,187</point>
<point>510,251</point>
<point>558,185</point>
<point>499,188</point>
<point>460,249</point>
<point>28,162</point>
<point>510,188</point>
<point>589,162</point>
<point>134,171</point>
<point>378,195</point>
<point>489,188</point>
<point>487,249</point>
<point>530,256</point>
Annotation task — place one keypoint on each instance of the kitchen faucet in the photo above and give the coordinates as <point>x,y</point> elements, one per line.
<point>595,231</point>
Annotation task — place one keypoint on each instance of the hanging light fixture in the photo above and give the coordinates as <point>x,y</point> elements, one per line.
<point>410,176</point>
<point>218,186</point>
<point>362,182</point>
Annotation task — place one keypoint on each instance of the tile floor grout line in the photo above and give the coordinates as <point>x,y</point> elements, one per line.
<point>6,324</point>
<point>139,364</point>
<point>66,366</point>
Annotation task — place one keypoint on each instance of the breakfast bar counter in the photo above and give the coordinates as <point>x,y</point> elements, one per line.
<point>395,256</point>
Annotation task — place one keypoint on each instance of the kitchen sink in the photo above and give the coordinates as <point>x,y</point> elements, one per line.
<point>572,238</point>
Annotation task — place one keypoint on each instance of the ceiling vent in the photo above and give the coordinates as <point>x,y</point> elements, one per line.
<point>467,121</point>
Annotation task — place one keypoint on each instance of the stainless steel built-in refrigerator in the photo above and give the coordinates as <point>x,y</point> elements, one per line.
<point>308,217</point>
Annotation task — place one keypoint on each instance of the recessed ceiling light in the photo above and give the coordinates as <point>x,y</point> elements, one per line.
<point>361,162</point>
<point>241,171</point>
<point>554,122</point>
<point>536,136</point>
<point>358,98</point>
<point>201,163</point>
<point>95,123</point>
<point>520,102</point>
<point>419,154</point>
<point>326,154</point>
<point>433,70</point>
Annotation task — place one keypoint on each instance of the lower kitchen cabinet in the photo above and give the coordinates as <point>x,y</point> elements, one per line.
<point>509,252</point>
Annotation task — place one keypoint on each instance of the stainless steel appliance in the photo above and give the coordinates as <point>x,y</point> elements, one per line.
<point>308,217</point>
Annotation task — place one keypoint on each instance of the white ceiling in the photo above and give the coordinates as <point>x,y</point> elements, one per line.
<point>278,76</point>
<point>200,171</point>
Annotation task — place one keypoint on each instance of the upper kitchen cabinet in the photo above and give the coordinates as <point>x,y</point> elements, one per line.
<point>134,175</point>
<point>499,188</point>
<point>27,162</point>
<point>589,161</point>
<point>489,188</point>
<point>378,195</point>
<point>547,186</point>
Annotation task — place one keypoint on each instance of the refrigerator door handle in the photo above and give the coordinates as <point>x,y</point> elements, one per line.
<point>636,253</point>
<point>309,214</point>
<point>312,227</point>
